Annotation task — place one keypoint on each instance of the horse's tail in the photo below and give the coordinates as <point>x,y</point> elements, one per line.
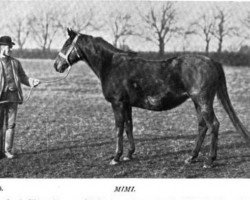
<point>224,99</point>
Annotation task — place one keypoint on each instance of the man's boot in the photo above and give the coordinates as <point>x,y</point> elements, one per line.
<point>9,139</point>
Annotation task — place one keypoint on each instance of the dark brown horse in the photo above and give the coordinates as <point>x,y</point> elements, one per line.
<point>129,81</point>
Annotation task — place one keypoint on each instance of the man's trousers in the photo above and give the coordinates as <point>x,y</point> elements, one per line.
<point>8,113</point>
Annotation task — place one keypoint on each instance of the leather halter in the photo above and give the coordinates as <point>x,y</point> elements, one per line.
<point>72,47</point>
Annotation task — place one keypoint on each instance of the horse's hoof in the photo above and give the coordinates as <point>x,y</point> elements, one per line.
<point>208,165</point>
<point>190,160</point>
<point>113,162</point>
<point>126,158</point>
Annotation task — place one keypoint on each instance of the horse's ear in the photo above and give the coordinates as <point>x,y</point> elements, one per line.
<point>71,33</point>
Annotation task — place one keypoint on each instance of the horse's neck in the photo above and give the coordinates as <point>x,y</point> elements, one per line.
<point>99,61</point>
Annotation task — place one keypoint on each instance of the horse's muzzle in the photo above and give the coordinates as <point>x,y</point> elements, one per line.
<point>59,67</point>
<point>55,65</point>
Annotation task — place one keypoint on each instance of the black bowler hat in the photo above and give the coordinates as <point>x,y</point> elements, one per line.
<point>6,40</point>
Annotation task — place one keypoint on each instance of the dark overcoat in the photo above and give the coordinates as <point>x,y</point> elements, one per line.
<point>19,76</point>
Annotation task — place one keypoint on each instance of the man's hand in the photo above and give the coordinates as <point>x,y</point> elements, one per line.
<point>35,82</point>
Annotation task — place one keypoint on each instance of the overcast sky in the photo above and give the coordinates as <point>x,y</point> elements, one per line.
<point>187,12</point>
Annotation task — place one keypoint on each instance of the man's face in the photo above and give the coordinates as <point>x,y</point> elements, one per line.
<point>5,50</point>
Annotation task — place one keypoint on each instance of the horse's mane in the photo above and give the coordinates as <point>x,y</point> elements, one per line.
<point>110,47</point>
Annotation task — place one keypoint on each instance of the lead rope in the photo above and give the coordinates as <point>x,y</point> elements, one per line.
<point>64,77</point>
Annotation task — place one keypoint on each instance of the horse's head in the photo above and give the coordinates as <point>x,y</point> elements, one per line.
<point>69,53</point>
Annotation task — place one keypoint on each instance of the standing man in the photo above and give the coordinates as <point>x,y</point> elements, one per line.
<point>11,77</point>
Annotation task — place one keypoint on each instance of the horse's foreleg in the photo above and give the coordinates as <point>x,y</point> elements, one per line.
<point>202,129</point>
<point>119,129</point>
<point>129,132</point>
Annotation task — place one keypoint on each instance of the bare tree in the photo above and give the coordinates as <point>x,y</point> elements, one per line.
<point>244,32</point>
<point>81,21</point>
<point>20,29</point>
<point>160,25</point>
<point>246,24</point>
<point>222,27</point>
<point>204,28</point>
<point>186,34</point>
<point>121,26</point>
<point>44,25</point>
<point>16,24</point>
<point>79,18</point>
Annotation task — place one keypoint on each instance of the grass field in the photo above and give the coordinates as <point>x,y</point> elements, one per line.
<point>66,130</point>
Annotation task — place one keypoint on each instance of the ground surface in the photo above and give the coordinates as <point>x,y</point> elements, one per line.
<point>66,130</point>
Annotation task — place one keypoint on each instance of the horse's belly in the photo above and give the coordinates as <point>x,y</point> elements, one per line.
<point>159,103</point>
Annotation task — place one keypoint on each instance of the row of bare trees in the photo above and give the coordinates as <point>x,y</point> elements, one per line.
<point>159,24</point>
<point>41,26</point>
<point>216,25</point>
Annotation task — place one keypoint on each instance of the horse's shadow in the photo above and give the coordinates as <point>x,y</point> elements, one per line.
<point>92,143</point>
<point>78,144</point>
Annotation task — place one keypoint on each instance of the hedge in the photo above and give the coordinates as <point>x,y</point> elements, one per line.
<point>226,58</point>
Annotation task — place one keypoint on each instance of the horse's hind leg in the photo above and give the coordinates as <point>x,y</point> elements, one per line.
<point>202,129</point>
<point>213,128</point>
<point>129,132</point>
<point>118,109</point>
